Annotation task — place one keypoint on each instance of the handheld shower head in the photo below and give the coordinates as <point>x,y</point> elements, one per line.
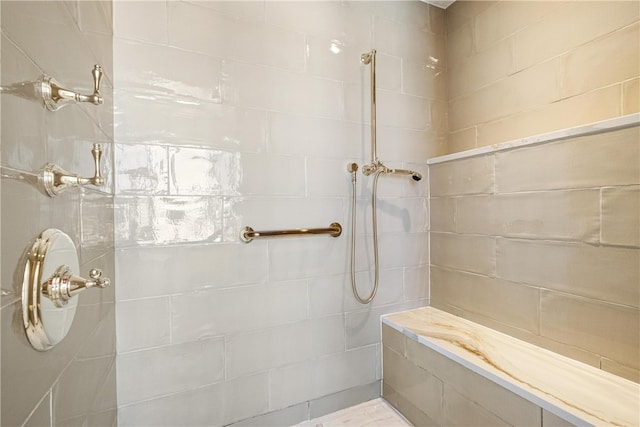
<point>416,176</point>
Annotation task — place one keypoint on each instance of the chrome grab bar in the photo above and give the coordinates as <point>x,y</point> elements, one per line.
<point>248,234</point>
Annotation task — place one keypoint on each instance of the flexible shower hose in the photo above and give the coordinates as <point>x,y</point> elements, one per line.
<point>374,192</point>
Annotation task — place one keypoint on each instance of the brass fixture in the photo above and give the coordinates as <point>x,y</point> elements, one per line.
<point>63,284</point>
<point>377,169</point>
<point>49,305</point>
<point>353,169</point>
<point>248,234</point>
<point>53,179</point>
<point>378,166</point>
<point>55,97</point>
<point>370,58</point>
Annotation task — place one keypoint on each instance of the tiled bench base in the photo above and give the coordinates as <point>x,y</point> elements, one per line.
<point>442,370</point>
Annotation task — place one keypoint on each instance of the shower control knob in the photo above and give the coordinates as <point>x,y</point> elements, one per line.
<point>55,96</point>
<point>52,179</point>
<point>63,284</point>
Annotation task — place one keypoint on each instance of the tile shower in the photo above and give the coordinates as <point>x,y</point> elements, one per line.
<point>228,114</point>
<point>246,114</point>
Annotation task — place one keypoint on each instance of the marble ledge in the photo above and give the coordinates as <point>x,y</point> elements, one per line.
<point>574,132</point>
<point>576,392</point>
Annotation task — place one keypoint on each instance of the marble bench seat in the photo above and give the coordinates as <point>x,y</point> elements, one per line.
<point>440,369</point>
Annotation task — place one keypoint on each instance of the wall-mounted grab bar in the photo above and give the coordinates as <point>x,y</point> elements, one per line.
<point>248,234</point>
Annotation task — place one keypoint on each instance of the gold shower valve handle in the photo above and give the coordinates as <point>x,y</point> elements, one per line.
<point>55,96</point>
<point>97,78</point>
<point>96,152</point>
<point>53,179</point>
<point>63,284</point>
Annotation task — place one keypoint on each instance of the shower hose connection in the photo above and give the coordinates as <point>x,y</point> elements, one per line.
<point>353,168</point>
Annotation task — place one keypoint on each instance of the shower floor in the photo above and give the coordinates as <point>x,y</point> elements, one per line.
<point>375,412</point>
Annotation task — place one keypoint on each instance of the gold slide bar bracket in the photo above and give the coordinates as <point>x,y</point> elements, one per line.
<point>248,234</point>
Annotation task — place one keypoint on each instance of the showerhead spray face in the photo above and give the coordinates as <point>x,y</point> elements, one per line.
<point>416,176</point>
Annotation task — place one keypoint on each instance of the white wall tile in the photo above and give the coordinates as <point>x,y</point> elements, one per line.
<point>129,25</point>
<point>620,222</point>
<point>143,323</point>
<point>204,172</point>
<point>183,121</point>
<point>294,134</point>
<point>27,153</point>
<point>399,145</point>
<point>41,415</point>
<point>363,327</point>
<point>307,257</point>
<point>388,72</point>
<point>416,283</point>
<point>153,373</point>
<point>601,272</point>
<point>330,19</point>
<point>403,111</point>
<point>75,70</point>
<point>166,70</point>
<point>393,109</point>
<point>402,214</point>
<point>403,249</point>
<point>329,178</point>
<point>252,10</point>
<point>77,387</point>
<point>276,90</point>
<point>334,59</point>
<point>425,77</point>
<point>163,220</point>
<point>141,169</point>
<point>357,103</point>
<point>284,345</point>
<point>216,404</point>
<point>322,376</point>
<point>561,215</point>
<point>203,314</point>
<point>96,17</point>
<point>547,166</point>
<point>327,294</point>
<point>263,174</point>
<point>416,15</point>
<point>205,30</point>
<point>174,269</point>
<point>469,176</point>
<point>405,41</point>
<point>465,252</point>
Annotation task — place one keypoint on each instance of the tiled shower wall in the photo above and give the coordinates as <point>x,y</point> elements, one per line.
<point>543,243</point>
<point>233,114</point>
<point>73,383</point>
<point>522,68</point>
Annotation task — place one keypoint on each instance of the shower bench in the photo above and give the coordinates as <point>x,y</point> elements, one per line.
<point>440,369</point>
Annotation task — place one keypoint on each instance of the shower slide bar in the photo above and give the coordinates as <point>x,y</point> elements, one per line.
<point>248,234</point>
